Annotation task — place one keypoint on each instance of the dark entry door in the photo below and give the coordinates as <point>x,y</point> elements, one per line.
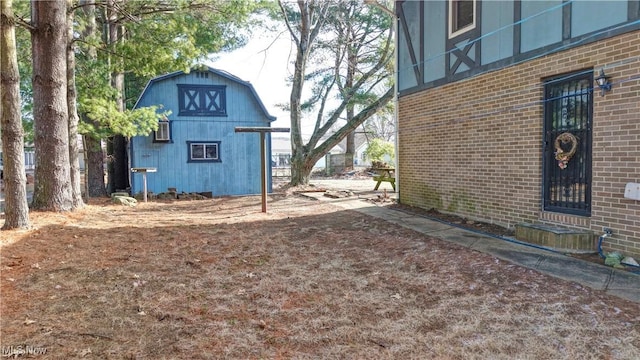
<point>567,144</point>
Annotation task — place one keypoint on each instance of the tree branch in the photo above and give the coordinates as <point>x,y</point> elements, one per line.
<point>350,126</point>
<point>23,23</point>
<point>288,23</point>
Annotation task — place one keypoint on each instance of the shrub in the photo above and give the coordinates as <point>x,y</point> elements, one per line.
<point>380,151</point>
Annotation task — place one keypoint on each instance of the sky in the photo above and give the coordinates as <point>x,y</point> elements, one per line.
<point>263,62</point>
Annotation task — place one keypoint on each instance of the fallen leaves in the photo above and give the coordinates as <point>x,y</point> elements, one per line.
<point>306,280</point>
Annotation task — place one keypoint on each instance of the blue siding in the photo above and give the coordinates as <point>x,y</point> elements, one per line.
<point>406,76</point>
<point>406,73</point>
<point>508,31</point>
<point>453,58</point>
<point>238,172</point>
<point>541,30</point>
<point>497,20</point>
<point>590,16</point>
<point>435,36</point>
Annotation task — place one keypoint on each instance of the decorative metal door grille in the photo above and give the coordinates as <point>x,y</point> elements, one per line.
<point>567,145</point>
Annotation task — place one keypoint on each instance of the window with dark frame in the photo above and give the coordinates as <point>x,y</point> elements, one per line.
<point>203,151</point>
<point>461,16</point>
<point>202,100</point>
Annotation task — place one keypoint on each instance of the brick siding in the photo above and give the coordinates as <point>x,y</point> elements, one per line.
<point>474,147</point>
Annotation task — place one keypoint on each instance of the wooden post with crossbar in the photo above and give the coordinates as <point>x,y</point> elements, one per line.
<point>263,155</point>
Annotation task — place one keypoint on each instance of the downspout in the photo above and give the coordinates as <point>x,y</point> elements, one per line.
<point>607,233</point>
<point>396,68</point>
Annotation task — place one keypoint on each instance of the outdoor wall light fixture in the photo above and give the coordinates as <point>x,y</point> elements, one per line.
<point>603,82</point>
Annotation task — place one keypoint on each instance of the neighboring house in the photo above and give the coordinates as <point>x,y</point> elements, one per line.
<point>30,157</point>
<point>501,118</point>
<point>29,160</point>
<point>360,159</point>
<point>196,148</point>
<point>281,150</point>
<point>362,144</point>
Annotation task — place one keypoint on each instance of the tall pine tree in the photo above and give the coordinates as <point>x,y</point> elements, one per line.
<point>52,191</point>
<point>14,178</point>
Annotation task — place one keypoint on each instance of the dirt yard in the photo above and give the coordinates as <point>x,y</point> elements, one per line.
<point>217,279</point>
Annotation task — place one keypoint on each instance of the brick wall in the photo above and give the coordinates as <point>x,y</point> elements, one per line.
<point>474,147</point>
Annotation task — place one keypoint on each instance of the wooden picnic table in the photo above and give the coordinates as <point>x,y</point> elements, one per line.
<point>385,175</point>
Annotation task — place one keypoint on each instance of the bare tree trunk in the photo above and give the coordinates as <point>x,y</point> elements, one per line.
<point>117,148</point>
<point>302,171</point>
<point>351,142</point>
<point>74,149</point>
<point>52,190</point>
<point>120,163</point>
<point>309,26</point>
<point>351,137</point>
<point>14,178</point>
<point>94,165</point>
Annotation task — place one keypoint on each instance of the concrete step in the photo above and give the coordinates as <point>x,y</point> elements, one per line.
<point>558,238</point>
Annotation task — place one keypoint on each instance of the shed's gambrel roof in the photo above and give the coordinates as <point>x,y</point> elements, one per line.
<point>218,72</point>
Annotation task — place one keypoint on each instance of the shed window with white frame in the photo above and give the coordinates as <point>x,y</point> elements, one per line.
<point>163,134</point>
<point>203,151</point>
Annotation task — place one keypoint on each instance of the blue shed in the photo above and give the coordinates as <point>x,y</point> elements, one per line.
<point>196,148</point>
